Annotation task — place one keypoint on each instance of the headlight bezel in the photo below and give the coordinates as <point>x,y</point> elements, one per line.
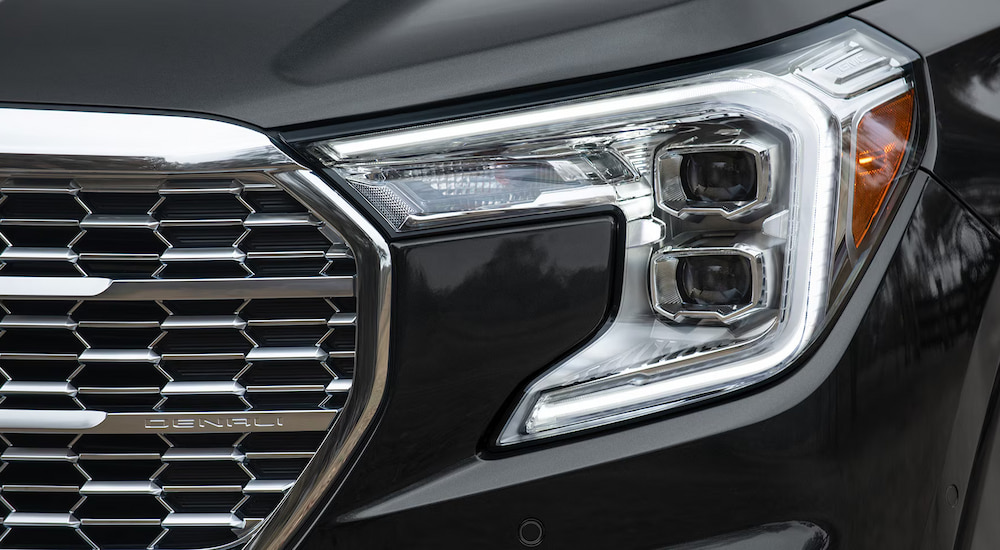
<point>833,288</point>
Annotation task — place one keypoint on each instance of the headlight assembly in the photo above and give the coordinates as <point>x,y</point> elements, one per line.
<point>752,196</point>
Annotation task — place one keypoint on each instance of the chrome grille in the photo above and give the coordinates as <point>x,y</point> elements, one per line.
<point>177,406</point>
<point>242,226</point>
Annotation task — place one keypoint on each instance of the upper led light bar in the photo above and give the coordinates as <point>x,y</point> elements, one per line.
<point>739,213</point>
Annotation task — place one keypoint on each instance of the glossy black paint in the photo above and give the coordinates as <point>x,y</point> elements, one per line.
<point>777,536</point>
<point>857,440</point>
<point>474,317</point>
<point>299,61</point>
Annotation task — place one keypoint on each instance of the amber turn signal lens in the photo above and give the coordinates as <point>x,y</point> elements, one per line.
<point>882,137</point>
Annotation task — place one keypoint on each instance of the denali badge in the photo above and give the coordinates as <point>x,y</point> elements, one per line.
<point>218,422</point>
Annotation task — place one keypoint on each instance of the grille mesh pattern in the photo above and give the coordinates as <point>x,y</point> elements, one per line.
<point>177,355</point>
<point>164,229</point>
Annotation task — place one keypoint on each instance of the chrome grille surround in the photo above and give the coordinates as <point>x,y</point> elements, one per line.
<point>225,420</point>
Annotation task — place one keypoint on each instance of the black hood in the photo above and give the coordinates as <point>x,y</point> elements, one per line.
<point>282,63</point>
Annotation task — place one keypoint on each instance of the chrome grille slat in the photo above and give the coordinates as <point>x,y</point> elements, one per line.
<point>119,356</point>
<point>281,354</point>
<point>203,321</point>
<point>120,488</point>
<point>203,388</point>
<point>342,320</point>
<point>35,253</point>
<point>203,520</point>
<point>226,453</point>
<point>281,220</point>
<point>184,339</point>
<point>98,221</point>
<point>28,454</point>
<point>268,486</point>
<point>37,388</point>
<point>202,255</point>
<point>339,386</point>
<point>38,321</point>
<point>197,289</point>
<point>39,519</point>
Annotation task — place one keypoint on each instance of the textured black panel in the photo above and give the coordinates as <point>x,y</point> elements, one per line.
<point>476,316</point>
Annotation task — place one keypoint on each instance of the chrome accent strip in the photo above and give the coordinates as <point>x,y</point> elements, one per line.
<point>338,254</point>
<point>232,254</point>
<point>20,186</point>
<point>221,422</point>
<point>231,187</point>
<point>24,420</point>
<point>268,486</point>
<point>342,319</point>
<point>16,454</point>
<point>97,422</point>
<point>177,454</point>
<point>280,220</point>
<point>34,519</point>
<point>37,321</point>
<point>29,253</point>
<point>306,500</point>
<point>22,387</point>
<point>54,287</point>
<point>202,520</point>
<point>286,254</point>
<point>119,356</point>
<point>203,388</point>
<point>339,385</point>
<point>120,488</point>
<point>98,221</point>
<point>104,142</point>
<point>206,321</point>
<point>171,289</point>
<point>278,354</point>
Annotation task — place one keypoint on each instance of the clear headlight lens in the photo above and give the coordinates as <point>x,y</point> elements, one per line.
<point>752,195</point>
